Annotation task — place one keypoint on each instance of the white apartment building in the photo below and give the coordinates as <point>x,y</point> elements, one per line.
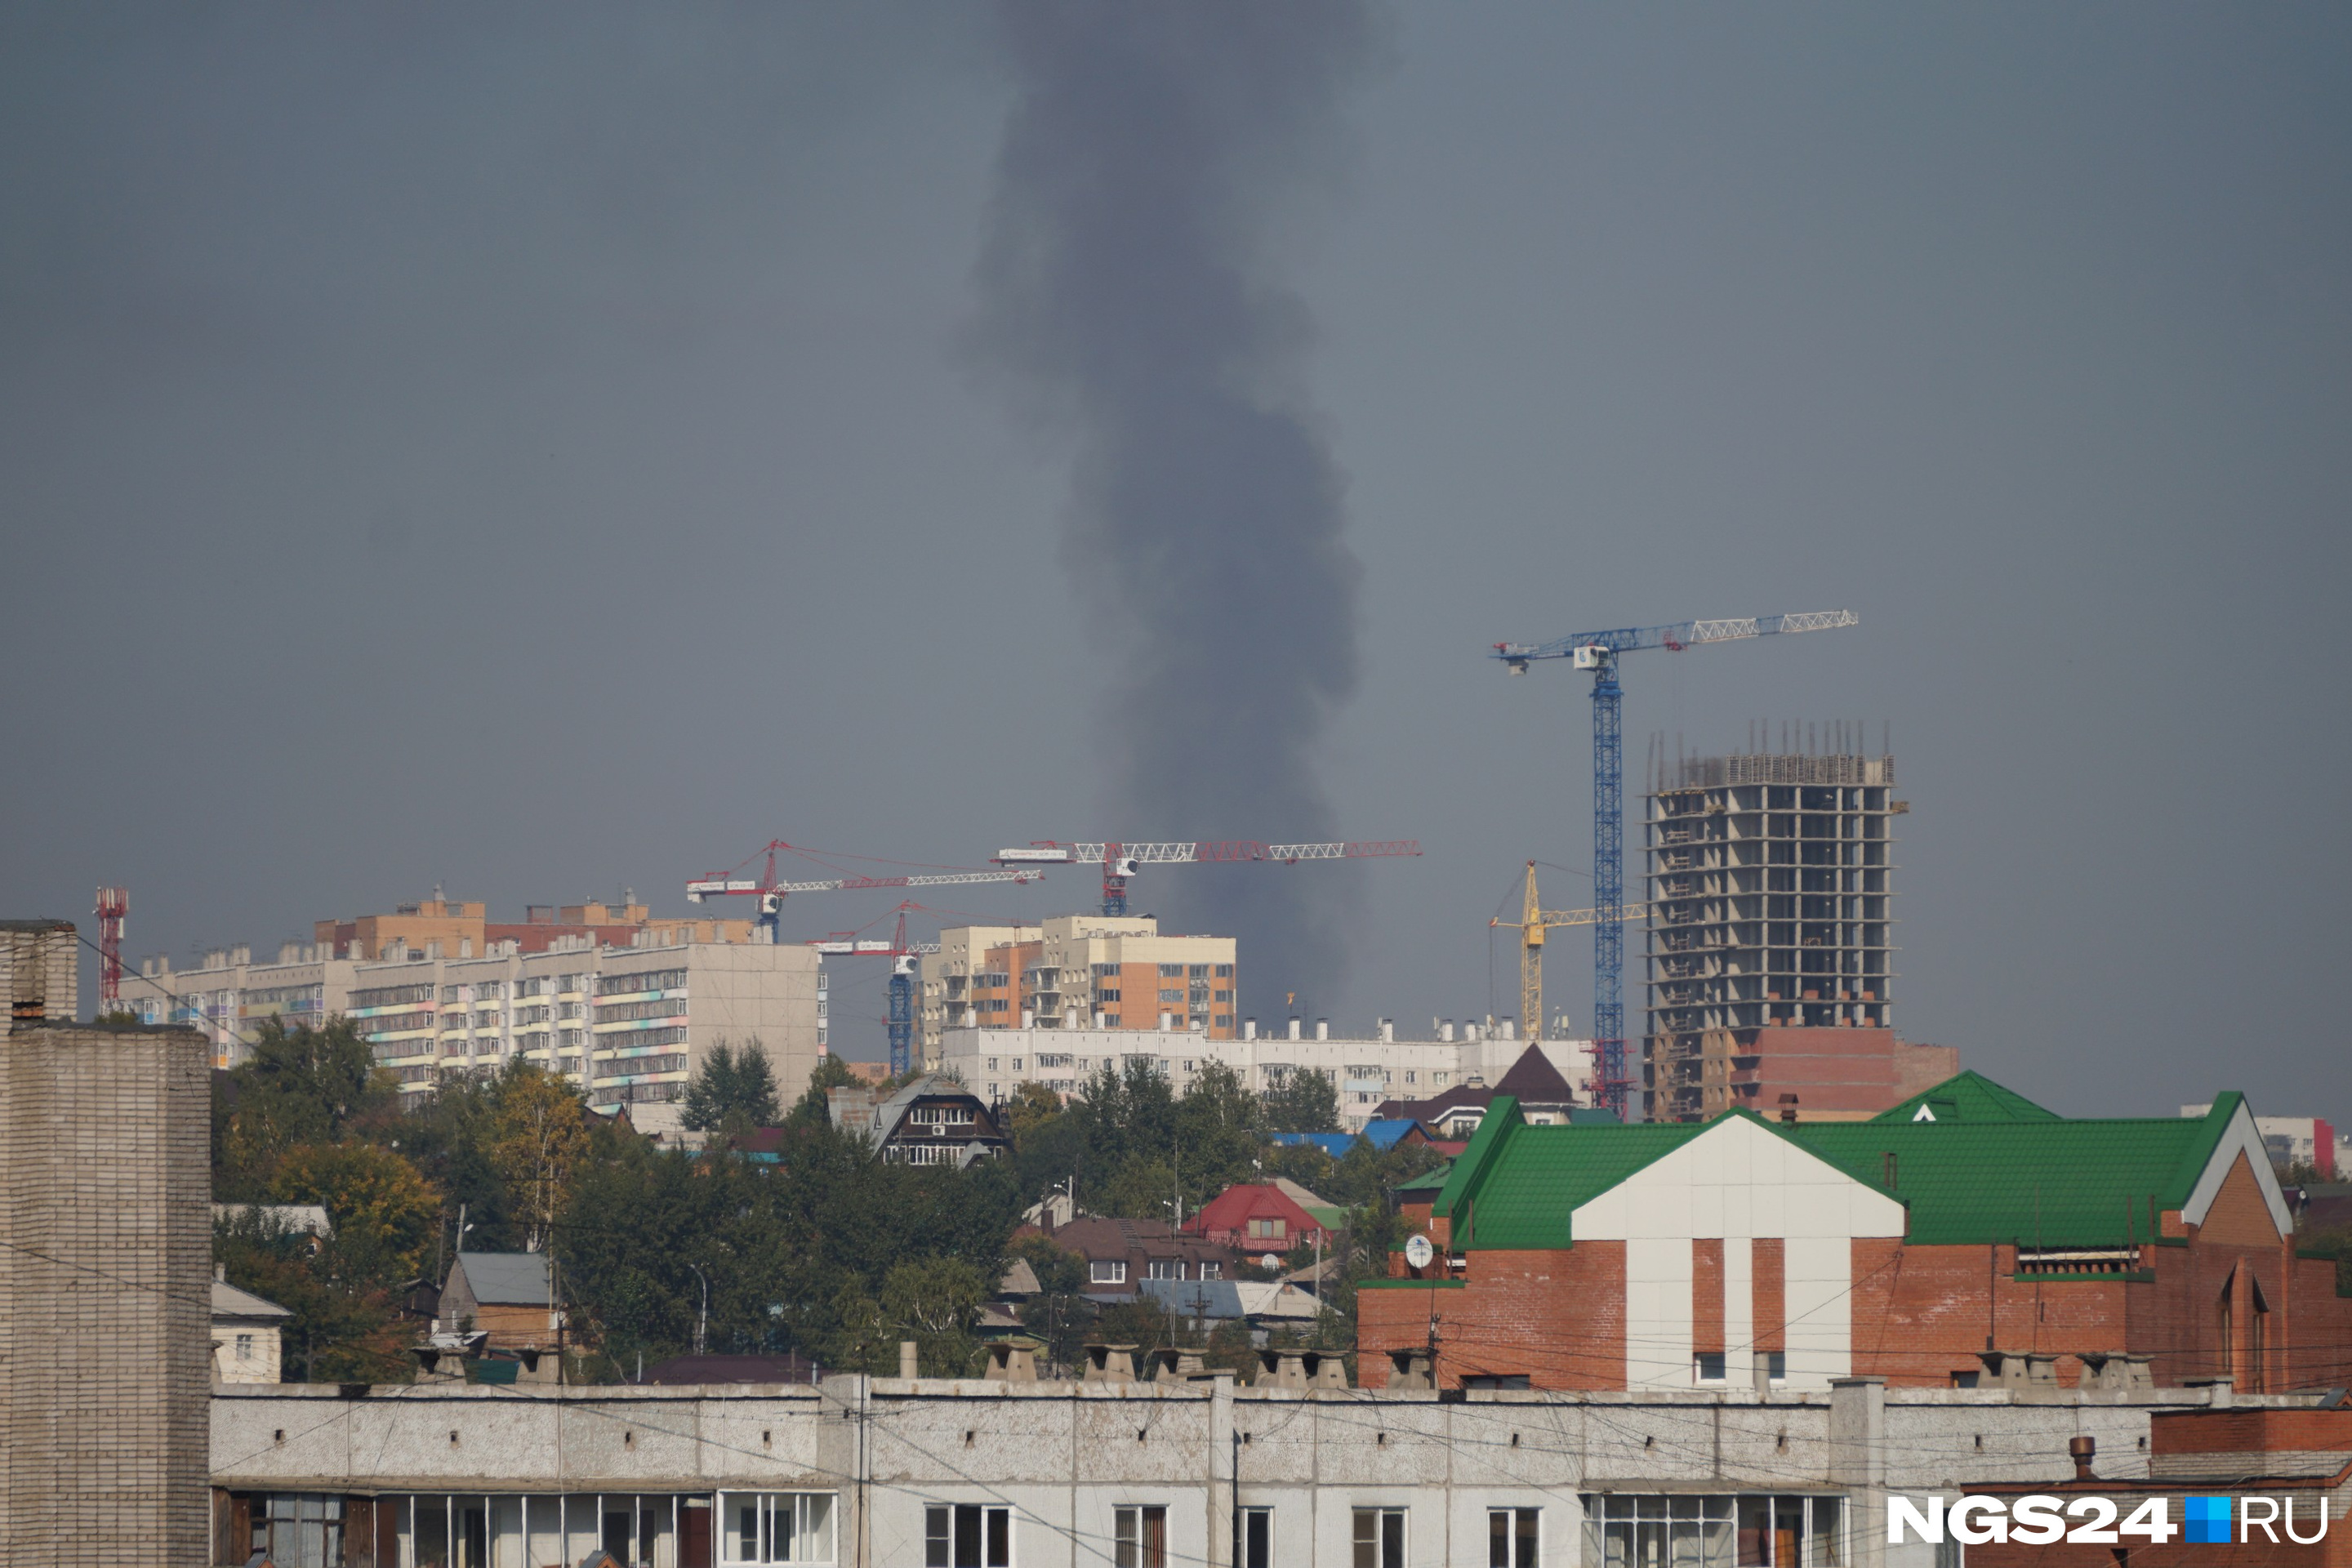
<point>1103,971</point>
<point>1366,1069</point>
<point>629,1024</point>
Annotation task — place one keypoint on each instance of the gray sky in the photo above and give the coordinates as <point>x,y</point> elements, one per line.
<point>446,444</point>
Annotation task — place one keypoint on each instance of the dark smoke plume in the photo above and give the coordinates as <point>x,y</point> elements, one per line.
<point>1126,282</point>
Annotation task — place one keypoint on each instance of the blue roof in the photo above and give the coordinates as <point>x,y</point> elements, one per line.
<point>1383,1132</point>
<point>1335,1144</point>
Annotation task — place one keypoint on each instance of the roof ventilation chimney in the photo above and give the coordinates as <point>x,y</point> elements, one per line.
<point>1789,1110</point>
<point>2083,1450</point>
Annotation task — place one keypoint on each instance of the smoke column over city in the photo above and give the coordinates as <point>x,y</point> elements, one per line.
<point>1127,288</point>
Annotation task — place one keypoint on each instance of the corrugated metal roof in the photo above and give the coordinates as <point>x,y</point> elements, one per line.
<point>228,1302</point>
<point>506,1278</point>
<point>2035,1179</point>
<point>1968,1096</point>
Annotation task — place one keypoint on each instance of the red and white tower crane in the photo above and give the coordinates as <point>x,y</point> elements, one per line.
<point>1120,861</point>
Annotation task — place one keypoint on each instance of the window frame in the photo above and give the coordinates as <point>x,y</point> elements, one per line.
<point>994,1546</point>
<point>1513,1543</point>
<point>726,1538</point>
<point>1132,1534</point>
<point>1388,1543</point>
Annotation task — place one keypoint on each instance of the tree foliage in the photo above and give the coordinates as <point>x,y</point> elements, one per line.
<point>301,1086</point>
<point>734,1090</point>
<point>1305,1101</point>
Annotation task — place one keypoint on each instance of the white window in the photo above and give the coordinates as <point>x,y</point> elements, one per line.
<point>1380,1538</point>
<point>1254,1538</point>
<point>1139,1537</point>
<point>1514,1537</point>
<point>1163,1269</point>
<point>1211,1270</point>
<point>1102,1272</point>
<point>1706,1366</point>
<point>775,1527</point>
<point>245,1347</point>
<point>967,1535</point>
<point>1708,1532</point>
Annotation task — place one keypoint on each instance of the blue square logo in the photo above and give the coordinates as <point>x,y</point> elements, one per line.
<point>2208,1521</point>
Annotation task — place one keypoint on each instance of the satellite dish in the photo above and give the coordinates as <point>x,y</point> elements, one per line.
<point>1418,1252</point>
<point>1269,1261</point>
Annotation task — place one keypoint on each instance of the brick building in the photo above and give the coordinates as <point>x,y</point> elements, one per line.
<point>104,1276</point>
<point>1073,972</point>
<point>1964,1234</point>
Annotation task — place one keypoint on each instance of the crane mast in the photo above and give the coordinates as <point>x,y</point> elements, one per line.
<point>1599,652</point>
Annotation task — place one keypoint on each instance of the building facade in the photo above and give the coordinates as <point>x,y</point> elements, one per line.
<point>1100,972</point>
<point>1366,1070</point>
<point>104,1281</point>
<point>860,1472</point>
<point>1964,1236</point>
<point>629,1025</point>
<point>1770,882</point>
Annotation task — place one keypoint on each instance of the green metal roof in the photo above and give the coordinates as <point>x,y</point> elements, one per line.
<point>2047,1182</point>
<point>1428,1181</point>
<point>2033,1179</point>
<point>1969,1097</point>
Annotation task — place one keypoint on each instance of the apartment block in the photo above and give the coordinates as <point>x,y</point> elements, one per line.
<point>629,1024</point>
<point>1100,972</point>
<point>104,1269</point>
<point>412,931</point>
<point>1186,1468</point>
<point>1771,891</point>
<point>1367,1070</point>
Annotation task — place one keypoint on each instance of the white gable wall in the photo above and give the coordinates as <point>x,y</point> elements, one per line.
<point>1738,1182</point>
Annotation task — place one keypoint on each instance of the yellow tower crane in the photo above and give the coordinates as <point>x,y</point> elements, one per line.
<point>1533,922</point>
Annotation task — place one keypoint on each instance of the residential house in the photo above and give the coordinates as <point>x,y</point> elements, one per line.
<point>1120,1254</point>
<point>1537,1087</point>
<point>1257,1218</point>
<point>245,1333</point>
<point>1965,1235</point>
<point>509,1295</point>
<point>934,1120</point>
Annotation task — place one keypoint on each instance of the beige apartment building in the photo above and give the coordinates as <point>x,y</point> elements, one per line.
<point>629,1024</point>
<point>466,929</point>
<point>1098,972</point>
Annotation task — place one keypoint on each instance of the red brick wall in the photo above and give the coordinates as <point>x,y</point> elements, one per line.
<point>1707,1295</point>
<point>1557,1316</point>
<point>1770,1294</point>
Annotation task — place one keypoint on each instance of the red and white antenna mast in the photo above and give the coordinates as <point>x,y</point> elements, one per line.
<point>113,903</point>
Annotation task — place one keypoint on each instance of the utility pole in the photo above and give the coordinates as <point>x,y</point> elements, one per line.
<point>701,1324</point>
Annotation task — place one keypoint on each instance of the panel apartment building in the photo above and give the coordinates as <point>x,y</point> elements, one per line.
<point>1099,972</point>
<point>1770,952</point>
<point>1366,1070</point>
<point>228,994</point>
<point>629,1024</point>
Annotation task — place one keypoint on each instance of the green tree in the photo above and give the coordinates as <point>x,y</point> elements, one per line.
<point>737,1087</point>
<point>345,1326</point>
<point>301,1086</point>
<point>931,1301</point>
<point>814,1108</point>
<point>1305,1101</point>
<point>383,1212</point>
<point>537,1136</point>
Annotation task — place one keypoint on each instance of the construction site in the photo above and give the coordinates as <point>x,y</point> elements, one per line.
<point>1770,948</point>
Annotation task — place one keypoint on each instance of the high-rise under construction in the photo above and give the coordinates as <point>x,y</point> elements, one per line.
<point>1770,938</point>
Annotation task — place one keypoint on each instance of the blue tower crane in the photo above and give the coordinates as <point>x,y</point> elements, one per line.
<point>1599,652</point>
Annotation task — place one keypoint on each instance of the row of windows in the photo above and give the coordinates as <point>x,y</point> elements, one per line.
<point>630,1012</point>
<point>637,1066</point>
<point>1113,1271</point>
<point>754,1530</point>
<point>649,980</point>
<point>391,995</point>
